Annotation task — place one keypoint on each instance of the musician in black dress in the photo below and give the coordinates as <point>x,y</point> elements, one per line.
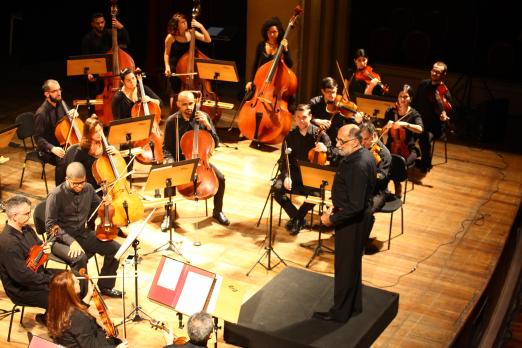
<point>186,122</point>
<point>298,142</point>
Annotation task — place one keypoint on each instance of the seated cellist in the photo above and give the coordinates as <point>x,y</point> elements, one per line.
<point>186,105</point>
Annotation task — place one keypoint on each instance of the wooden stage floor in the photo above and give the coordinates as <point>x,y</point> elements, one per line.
<point>455,226</point>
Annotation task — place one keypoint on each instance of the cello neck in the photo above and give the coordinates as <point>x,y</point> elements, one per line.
<point>139,75</point>
<point>71,119</point>
<point>195,140</point>
<point>109,156</point>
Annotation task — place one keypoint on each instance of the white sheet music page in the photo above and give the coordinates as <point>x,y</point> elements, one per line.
<point>170,274</point>
<point>195,293</point>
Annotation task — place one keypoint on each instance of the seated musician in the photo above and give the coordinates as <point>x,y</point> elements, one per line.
<point>69,322</point>
<point>186,105</point>
<point>368,86</point>
<point>69,206</point>
<point>199,328</point>
<point>300,140</point>
<point>405,120</point>
<point>46,118</point>
<point>380,152</point>
<point>324,119</point>
<point>21,284</point>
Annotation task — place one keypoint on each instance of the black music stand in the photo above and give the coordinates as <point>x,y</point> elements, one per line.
<point>6,135</point>
<point>320,177</point>
<point>132,239</point>
<point>95,64</point>
<point>374,106</point>
<point>170,175</point>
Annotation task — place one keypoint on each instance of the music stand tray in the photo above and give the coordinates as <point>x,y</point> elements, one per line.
<point>217,70</point>
<point>127,129</point>
<point>89,64</point>
<point>179,173</point>
<point>7,134</point>
<point>374,106</point>
<point>321,177</point>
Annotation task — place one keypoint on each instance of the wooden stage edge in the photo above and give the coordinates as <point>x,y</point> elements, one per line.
<point>457,222</point>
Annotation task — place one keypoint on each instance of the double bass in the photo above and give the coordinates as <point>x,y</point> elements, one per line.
<point>265,118</point>
<point>112,82</point>
<point>199,144</point>
<point>128,206</point>
<point>189,81</point>
<point>142,108</point>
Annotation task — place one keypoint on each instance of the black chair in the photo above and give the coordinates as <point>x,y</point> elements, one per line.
<point>398,172</point>
<point>26,130</point>
<point>444,139</point>
<point>39,224</point>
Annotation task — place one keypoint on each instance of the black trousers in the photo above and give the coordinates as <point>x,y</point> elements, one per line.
<point>218,197</point>
<point>280,195</point>
<point>34,298</point>
<point>57,162</point>
<point>91,245</point>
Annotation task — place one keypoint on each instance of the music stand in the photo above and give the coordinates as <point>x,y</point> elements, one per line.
<point>169,176</point>
<point>374,106</point>
<point>321,177</point>
<point>6,135</point>
<point>132,239</point>
<point>89,64</point>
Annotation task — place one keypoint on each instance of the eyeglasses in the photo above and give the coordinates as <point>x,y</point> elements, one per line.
<point>77,183</point>
<point>437,72</point>
<point>342,142</point>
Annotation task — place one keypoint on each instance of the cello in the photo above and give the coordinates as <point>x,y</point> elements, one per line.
<point>265,118</point>
<point>69,129</point>
<point>189,81</point>
<point>199,143</point>
<point>142,108</point>
<point>128,207</point>
<point>112,82</point>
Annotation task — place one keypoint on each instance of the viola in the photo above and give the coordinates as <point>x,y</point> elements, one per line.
<point>316,156</point>
<point>102,308</point>
<point>265,118</point>
<point>367,75</point>
<point>112,81</point>
<point>440,96</point>
<point>399,138</point>
<point>198,143</point>
<point>143,108</point>
<point>36,256</point>
<point>155,324</point>
<point>106,230</point>
<point>128,206</point>
<point>189,80</point>
<point>69,129</point>
<point>375,150</point>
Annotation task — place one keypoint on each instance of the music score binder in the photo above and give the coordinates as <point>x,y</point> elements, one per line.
<point>185,288</point>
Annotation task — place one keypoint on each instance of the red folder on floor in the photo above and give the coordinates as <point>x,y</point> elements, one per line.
<point>185,288</point>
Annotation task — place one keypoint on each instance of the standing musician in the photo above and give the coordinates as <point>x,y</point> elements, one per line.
<point>351,215</point>
<point>177,43</point>
<point>69,322</point>
<point>183,116</point>
<point>381,154</point>
<point>364,85</point>
<point>433,106</point>
<point>404,123</point>
<point>69,206</point>
<point>272,32</point>
<point>322,117</point>
<point>46,118</point>
<point>21,284</point>
<point>299,142</point>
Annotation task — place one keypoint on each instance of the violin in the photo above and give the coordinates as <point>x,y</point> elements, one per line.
<point>155,324</point>
<point>440,96</point>
<point>199,143</point>
<point>106,230</point>
<point>316,156</point>
<point>112,82</point>
<point>189,80</point>
<point>265,118</point>
<point>341,106</point>
<point>36,256</point>
<point>103,311</point>
<point>367,75</point>
<point>128,206</point>
<point>143,108</point>
<point>375,149</point>
<point>69,129</point>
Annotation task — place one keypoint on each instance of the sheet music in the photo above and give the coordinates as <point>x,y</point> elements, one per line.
<point>195,293</point>
<point>170,274</point>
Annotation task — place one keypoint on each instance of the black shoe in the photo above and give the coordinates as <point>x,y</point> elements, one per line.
<point>323,316</point>
<point>111,292</point>
<point>221,218</point>
<point>40,319</point>
<point>290,224</point>
<point>121,233</point>
<point>298,225</point>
